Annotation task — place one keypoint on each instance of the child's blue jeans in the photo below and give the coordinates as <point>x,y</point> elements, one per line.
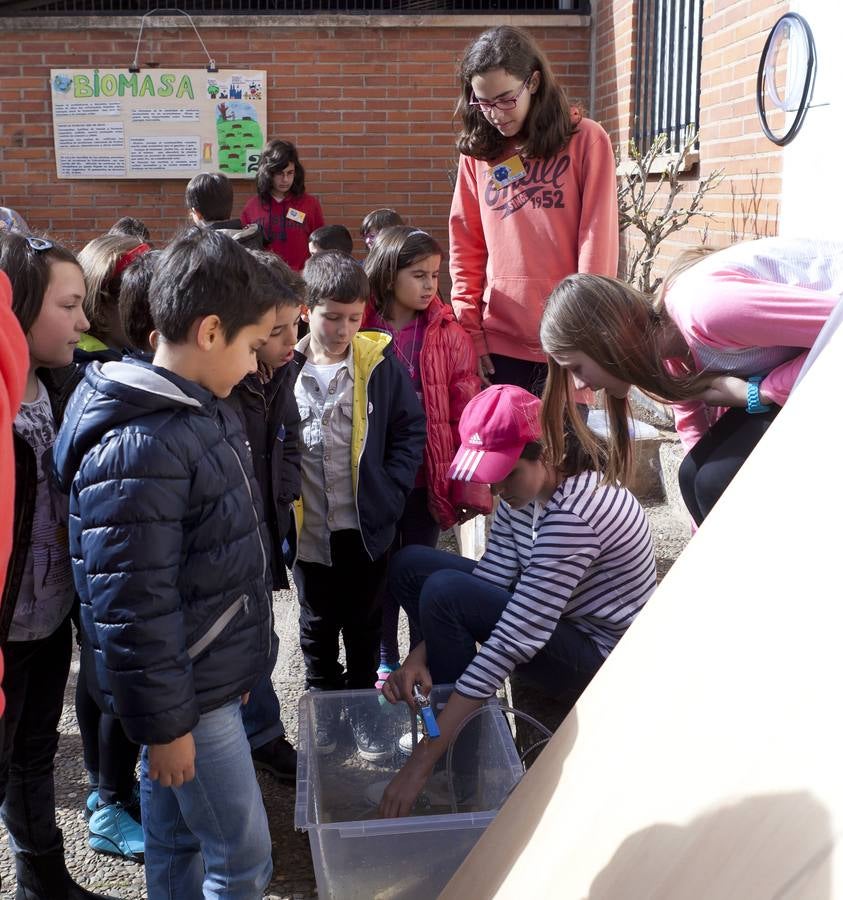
<point>210,837</point>
<point>262,714</point>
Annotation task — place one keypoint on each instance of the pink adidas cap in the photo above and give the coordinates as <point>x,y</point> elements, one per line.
<point>495,426</point>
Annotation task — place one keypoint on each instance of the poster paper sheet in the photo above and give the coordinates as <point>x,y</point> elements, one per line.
<point>157,123</point>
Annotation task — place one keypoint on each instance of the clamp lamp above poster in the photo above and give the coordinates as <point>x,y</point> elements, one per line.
<point>158,123</point>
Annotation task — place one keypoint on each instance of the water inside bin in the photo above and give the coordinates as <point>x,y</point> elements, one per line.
<point>347,788</point>
<point>356,792</point>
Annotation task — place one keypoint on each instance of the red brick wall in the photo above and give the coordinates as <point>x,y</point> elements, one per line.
<point>746,204</point>
<point>614,76</point>
<point>369,108</point>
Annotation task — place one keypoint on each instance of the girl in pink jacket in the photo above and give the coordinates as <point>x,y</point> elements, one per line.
<point>724,342</point>
<point>535,200</point>
<point>403,269</point>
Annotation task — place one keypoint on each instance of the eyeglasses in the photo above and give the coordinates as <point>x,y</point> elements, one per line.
<point>506,103</point>
<point>39,245</point>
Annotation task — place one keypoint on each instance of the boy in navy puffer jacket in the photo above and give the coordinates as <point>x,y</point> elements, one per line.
<point>170,559</point>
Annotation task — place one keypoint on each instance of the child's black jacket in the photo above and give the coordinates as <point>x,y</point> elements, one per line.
<point>270,417</point>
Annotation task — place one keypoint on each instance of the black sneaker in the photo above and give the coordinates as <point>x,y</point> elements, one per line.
<point>133,804</point>
<point>278,757</point>
<point>371,745</point>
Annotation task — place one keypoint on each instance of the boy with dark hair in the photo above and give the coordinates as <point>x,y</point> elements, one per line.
<point>170,560</point>
<point>331,237</point>
<point>133,300</point>
<point>267,409</point>
<point>266,406</point>
<point>131,227</point>
<point>362,437</point>
<point>209,198</point>
<point>374,222</point>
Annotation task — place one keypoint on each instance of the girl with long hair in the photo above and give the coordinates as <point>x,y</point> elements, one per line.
<point>535,200</point>
<point>723,341</point>
<point>48,289</point>
<point>282,207</point>
<point>403,270</point>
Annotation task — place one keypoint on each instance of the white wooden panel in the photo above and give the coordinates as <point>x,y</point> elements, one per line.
<point>706,758</point>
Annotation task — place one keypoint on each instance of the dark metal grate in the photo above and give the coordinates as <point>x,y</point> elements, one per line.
<point>668,51</point>
<point>136,7</point>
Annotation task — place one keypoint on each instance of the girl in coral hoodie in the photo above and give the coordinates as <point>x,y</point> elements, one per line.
<point>403,269</point>
<point>535,200</point>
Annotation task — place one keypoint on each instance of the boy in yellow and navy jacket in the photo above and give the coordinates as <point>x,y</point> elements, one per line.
<point>362,437</point>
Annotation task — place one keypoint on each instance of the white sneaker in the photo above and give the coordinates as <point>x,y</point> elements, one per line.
<point>405,742</point>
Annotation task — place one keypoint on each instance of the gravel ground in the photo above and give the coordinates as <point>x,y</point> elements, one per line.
<point>293,876</point>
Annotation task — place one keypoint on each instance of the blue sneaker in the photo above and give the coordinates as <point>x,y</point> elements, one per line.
<point>384,671</point>
<point>91,804</point>
<point>113,831</point>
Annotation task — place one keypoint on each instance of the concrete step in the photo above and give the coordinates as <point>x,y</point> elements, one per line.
<point>651,445</point>
<point>671,455</point>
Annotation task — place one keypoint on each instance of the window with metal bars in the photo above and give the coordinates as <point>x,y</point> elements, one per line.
<point>667,89</point>
<point>281,7</point>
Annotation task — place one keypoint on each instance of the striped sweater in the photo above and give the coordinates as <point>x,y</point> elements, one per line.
<point>587,556</point>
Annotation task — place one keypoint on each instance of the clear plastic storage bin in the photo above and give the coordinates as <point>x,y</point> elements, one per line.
<point>356,854</point>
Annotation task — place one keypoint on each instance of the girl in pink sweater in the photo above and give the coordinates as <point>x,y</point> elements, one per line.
<point>535,200</point>
<point>724,342</point>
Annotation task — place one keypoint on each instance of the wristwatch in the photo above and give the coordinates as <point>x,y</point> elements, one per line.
<point>753,396</point>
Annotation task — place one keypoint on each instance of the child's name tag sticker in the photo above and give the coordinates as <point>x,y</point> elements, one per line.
<point>296,215</point>
<point>507,172</point>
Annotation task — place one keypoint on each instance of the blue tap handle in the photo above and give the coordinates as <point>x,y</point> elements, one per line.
<point>429,720</point>
<point>431,729</point>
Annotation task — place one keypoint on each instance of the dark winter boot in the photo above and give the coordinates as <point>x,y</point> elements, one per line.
<point>46,878</point>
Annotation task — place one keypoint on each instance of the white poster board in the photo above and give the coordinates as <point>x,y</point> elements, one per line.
<point>157,123</point>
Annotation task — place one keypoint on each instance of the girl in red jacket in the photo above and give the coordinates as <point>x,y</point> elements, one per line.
<point>535,201</point>
<point>403,269</point>
<point>284,210</point>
